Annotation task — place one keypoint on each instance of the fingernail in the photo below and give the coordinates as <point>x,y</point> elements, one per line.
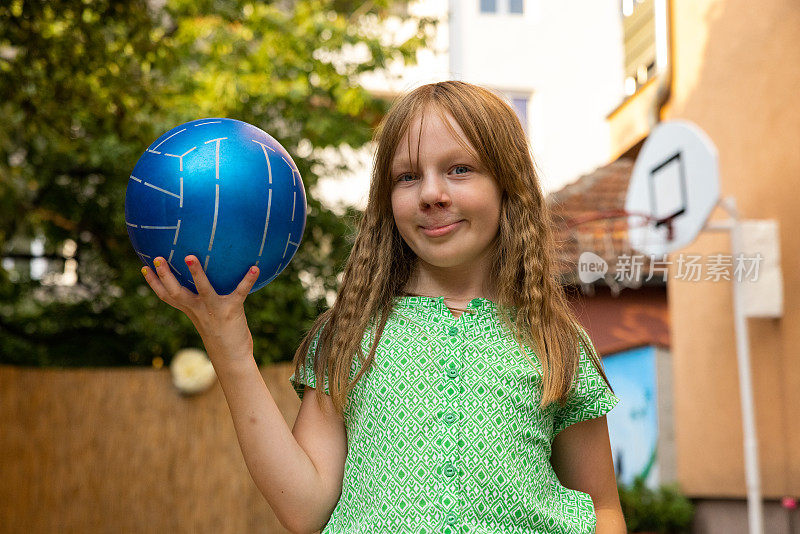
<point>254,269</point>
<point>189,261</point>
<point>157,263</point>
<point>144,271</point>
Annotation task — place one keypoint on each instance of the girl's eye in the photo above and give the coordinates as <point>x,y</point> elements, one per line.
<point>458,169</point>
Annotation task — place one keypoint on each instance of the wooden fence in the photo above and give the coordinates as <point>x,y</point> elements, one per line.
<point>120,450</point>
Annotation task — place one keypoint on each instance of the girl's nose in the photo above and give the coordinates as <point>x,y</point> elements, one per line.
<point>433,190</point>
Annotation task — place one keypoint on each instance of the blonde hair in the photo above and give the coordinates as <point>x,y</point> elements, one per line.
<point>531,300</point>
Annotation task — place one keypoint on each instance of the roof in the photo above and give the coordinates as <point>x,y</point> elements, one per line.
<point>603,189</point>
<point>631,319</point>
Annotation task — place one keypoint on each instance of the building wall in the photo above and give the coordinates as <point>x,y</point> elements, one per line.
<point>566,57</point>
<point>572,59</point>
<point>637,424</point>
<point>729,516</point>
<point>736,75</point>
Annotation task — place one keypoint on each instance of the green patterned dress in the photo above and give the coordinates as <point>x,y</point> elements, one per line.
<point>444,432</point>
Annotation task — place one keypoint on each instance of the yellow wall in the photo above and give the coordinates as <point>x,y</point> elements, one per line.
<point>633,119</point>
<point>736,74</point>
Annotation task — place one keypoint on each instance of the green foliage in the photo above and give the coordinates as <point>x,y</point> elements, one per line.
<point>86,86</point>
<point>664,510</point>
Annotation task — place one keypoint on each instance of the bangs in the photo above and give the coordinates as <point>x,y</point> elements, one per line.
<point>418,110</point>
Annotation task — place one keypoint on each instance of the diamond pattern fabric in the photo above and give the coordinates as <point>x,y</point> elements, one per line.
<point>445,434</point>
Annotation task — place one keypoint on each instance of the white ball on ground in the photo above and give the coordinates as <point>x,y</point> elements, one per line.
<point>192,371</point>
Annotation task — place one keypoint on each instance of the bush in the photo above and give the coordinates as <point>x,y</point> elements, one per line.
<point>664,510</point>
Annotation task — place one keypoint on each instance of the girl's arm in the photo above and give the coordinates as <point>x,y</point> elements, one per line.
<point>299,472</point>
<point>301,477</point>
<point>581,458</point>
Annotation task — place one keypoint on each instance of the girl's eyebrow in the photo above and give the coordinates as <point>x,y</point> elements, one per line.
<point>450,154</point>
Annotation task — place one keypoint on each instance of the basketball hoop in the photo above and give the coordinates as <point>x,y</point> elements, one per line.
<point>600,241</point>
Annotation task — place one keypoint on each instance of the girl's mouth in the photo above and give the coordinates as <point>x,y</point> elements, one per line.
<point>441,230</point>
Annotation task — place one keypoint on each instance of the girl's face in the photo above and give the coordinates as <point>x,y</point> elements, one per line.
<point>448,211</point>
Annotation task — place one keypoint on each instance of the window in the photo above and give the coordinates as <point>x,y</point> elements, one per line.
<point>514,7</point>
<point>488,6</point>
<point>520,105</point>
<point>639,31</point>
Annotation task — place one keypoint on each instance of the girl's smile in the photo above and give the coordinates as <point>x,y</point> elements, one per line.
<point>438,231</point>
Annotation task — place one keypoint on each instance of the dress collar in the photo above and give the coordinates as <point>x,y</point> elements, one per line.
<point>438,303</point>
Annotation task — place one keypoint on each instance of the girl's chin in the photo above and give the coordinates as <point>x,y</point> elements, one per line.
<point>443,262</point>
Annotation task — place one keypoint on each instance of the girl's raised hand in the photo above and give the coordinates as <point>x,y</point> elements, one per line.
<point>220,319</point>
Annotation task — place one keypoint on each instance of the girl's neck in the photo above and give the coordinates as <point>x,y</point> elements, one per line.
<point>457,284</point>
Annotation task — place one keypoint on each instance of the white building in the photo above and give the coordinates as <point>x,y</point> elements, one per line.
<point>559,64</point>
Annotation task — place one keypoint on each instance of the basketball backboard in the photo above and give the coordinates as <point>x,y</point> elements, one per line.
<point>674,188</point>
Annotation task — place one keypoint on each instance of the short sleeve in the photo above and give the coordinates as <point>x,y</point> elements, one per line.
<point>589,398</point>
<point>307,377</point>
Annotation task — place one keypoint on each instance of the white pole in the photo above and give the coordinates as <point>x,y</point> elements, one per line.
<point>754,505</point>
<point>454,39</point>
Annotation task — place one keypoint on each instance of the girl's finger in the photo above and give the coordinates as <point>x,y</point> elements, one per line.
<point>155,284</point>
<point>244,287</point>
<point>168,280</point>
<point>201,283</point>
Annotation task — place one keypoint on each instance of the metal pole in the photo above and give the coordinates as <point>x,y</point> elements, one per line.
<point>752,477</point>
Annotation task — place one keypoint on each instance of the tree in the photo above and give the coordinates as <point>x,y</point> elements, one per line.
<point>85,87</point>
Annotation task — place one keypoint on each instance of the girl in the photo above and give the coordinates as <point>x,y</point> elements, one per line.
<point>458,393</point>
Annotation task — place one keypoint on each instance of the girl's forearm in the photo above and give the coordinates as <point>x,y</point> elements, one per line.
<point>610,521</point>
<point>280,468</point>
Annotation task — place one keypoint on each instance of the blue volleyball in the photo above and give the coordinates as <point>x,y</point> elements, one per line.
<point>220,189</point>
